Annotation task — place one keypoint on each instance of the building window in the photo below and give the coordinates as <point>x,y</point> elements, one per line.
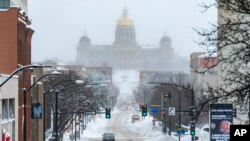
<point>4,110</point>
<point>11,109</point>
<point>4,4</point>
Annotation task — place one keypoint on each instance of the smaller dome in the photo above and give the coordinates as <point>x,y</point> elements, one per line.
<point>165,40</point>
<point>84,40</point>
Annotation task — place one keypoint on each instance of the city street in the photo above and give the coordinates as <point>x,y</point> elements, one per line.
<point>120,122</point>
<point>124,70</point>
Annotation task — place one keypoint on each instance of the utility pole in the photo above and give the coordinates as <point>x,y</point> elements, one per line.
<point>169,117</point>
<point>165,109</point>
<point>179,112</point>
<point>193,115</point>
<point>56,116</point>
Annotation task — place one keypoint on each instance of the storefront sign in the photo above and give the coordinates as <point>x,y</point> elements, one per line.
<point>36,111</point>
<point>220,121</point>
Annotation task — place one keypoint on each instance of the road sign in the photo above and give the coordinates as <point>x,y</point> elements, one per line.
<point>171,111</point>
<point>180,132</point>
<point>90,113</point>
<point>154,110</point>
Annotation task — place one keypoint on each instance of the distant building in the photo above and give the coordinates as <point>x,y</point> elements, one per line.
<point>153,95</point>
<point>125,53</point>
<point>203,71</point>
<point>177,77</point>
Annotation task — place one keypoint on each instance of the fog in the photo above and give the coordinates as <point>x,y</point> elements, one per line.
<point>59,24</point>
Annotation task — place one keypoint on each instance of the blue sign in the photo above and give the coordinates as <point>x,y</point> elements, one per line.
<point>36,111</point>
<point>154,110</point>
<point>180,132</point>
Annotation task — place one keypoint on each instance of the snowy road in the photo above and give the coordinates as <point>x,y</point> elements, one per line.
<point>120,122</point>
<point>119,126</point>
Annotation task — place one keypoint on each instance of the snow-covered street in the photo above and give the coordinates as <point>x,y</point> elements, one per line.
<point>120,122</point>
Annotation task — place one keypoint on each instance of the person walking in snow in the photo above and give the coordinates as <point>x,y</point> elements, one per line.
<point>153,123</point>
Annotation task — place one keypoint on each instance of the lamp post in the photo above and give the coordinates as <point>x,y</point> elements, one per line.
<point>179,98</point>
<point>20,69</point>
<point>55,132</point>
<point>25,97</point>
<point>144,92</point>
<point>49,91</point>
<point>24,102</point>
<point>162,101</point>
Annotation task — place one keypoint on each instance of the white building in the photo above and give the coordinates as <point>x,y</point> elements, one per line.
<point>125,52</point>
<point>9,108</point>
<point>200,76</point>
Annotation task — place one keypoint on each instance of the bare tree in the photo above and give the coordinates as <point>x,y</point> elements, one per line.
<point>230,39</point>
<point>72,100</point>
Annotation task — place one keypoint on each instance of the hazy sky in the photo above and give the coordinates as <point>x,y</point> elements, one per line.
<point>59,24</point>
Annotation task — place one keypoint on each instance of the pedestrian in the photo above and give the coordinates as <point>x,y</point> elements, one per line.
<point>153,121</point>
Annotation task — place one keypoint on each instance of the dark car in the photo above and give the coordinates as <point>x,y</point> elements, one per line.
<point>108,137</point>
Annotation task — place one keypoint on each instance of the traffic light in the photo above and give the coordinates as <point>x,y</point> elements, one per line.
<point>144,110</point>
<point>107,112</point>
<point>191,111</point>
<point>192,129</point>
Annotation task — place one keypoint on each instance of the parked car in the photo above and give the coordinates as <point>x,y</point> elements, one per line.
<point>108,137</point>
<point>135,117</point>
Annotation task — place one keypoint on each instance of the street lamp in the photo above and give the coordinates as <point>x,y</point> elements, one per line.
<point>11,75</point>
<point>179,99</point>
<point>51,90</point>
<point>144,93</point>
<point>56,106</point>
<point>25,97</point>
<point>161,100</point>
<point>20,69</point>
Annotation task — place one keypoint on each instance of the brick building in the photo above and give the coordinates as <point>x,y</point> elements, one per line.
<point>15,50</point>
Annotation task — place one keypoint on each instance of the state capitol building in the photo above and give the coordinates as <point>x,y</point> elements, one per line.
<point>125,53</point>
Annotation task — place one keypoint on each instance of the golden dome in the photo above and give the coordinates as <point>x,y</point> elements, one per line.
<point>125,20</point>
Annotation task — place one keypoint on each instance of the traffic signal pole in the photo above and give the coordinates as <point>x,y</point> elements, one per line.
<point>179,112</point>
<point>169,117</point>
<point>166,110</point>
<point>193,117</point>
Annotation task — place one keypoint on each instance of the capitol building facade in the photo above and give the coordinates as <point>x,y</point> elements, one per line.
<point>125,53</point>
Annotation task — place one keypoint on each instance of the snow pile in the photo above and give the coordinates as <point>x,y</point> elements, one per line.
<point>145,128</point>
<point>96,128</point>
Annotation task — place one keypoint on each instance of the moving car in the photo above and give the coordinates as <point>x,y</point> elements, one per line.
<point>135,117</point>
<point>108,137</point>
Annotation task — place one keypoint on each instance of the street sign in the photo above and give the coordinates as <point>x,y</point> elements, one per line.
<point>90,113</point>
<point>180,132</point>
<point>171,111</point>
<point>154,110</point>
<point>36,112</point>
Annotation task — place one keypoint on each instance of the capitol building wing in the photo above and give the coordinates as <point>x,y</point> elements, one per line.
<point>125,53</point>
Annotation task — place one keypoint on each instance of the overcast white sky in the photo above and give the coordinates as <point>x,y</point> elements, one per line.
<point>59,24</point>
